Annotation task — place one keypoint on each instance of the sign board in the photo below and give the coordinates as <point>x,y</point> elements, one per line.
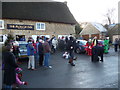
<point>20,27</point>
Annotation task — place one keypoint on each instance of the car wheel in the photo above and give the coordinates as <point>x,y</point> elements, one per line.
<point>77,50</point>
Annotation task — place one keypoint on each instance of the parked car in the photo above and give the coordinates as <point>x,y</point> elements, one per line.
<point>22,49</point>
<point>80,47</point>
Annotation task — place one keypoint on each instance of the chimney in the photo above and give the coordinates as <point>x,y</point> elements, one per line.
<point>65,2</point>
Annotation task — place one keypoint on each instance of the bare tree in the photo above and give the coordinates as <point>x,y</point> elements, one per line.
<point>110,16</point>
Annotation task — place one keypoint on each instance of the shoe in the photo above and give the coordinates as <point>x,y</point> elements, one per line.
<point>49,66</point>
<point>41,65</point>
<point>34,69</point>
<point>101,60</point>
<point>75,58</point>
<point>29,68</point>
<point>72,64</point>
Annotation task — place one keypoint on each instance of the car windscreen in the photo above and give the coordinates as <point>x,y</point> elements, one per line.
<point>83,42</point>
<point>22,46</point>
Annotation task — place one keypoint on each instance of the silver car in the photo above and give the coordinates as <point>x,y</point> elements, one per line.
<point>22,49</point>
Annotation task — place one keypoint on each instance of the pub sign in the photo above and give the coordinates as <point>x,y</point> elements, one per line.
<point>20,27</point>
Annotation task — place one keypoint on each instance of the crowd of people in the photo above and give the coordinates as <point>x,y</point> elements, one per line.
<point>40,50</point>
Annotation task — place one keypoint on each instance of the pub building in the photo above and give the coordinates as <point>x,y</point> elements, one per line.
<point>26,19</point>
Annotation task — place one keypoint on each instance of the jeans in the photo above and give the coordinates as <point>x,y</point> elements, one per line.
<point>46,59</point>
<point>115,47</point>
<point>71,54</point>
<point>36,57</point>
<point>8,87</point>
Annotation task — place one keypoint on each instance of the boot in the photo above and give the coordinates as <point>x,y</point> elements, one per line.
<point>72,64</point>
<point>71,60</point>
<point>75,58</point>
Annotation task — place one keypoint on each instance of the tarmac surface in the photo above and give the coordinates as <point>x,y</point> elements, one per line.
<point>85,74</point>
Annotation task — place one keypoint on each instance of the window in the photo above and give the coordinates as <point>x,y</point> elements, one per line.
<point>1,24</point>
<point>40,26</point>
<point>1,38</point>
<point>20,38</point>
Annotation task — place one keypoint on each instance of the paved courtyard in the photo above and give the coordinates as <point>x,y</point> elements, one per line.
<point>84,75</point>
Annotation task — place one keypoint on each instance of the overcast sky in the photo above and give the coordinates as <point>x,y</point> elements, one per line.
<point>91,10</point>
<point>87,10</point>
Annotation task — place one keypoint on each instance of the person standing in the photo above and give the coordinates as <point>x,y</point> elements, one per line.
<point>16,51</point>
<point>116,44</point>
<point>119,44</point>
<point>9,67</point>
<point>22,38</point>
<point>71,46</point>
<point>47,51</point>
<point>106,45</point>
<point>36,50</point>
<point>41,52</point>
<point>97,51</point>
<point>94,41</point>
<point>62,44</point>
<point>54,44</point>
<point>30,53</point>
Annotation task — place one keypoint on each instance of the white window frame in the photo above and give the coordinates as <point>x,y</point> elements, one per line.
<point>40,26</point>
<point>1,24</point>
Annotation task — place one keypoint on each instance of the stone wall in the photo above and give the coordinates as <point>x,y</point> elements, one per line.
<point>51,28</point>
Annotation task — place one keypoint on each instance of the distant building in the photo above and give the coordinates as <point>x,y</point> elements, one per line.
<point>25,19</point>
<point>91,30</point>
<point>114,31</point>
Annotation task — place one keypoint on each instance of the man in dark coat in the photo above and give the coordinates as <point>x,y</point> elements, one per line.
<point>40,52</point>
<point>70,48</point>
<point>97,51</point>
<point>9,67</point>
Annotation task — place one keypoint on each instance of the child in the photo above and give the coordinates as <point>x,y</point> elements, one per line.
<point>18,78</point>
<point>66,55</point>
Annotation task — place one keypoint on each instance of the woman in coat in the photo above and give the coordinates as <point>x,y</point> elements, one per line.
<point>9,67</point>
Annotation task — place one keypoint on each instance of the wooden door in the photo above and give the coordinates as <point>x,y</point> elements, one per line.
<point>86,37</point>
<point>97,35</point>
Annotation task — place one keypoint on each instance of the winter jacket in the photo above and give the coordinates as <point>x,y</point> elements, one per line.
<point>71,45</point>
<point>9,68</point>
<point>40,48</point>
<point>30,49</point>
<point>46,47</point>
<point>18,81</point>
<point>54,43</point>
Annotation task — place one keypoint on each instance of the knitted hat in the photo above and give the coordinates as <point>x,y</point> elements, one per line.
<point>18,70</point>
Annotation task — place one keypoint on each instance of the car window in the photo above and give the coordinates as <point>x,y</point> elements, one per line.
<point>101,42</point>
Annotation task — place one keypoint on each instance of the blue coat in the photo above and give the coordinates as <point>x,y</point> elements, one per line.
<point>30,49</point>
